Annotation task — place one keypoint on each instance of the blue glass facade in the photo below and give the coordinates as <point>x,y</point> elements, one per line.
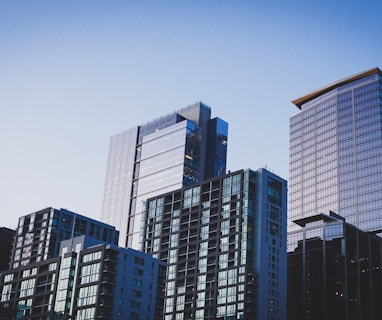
<point>217,153</point>
<point>158,157</point>
<point>336,152</point>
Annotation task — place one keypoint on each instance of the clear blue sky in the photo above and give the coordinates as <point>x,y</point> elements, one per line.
<point>73,73</point>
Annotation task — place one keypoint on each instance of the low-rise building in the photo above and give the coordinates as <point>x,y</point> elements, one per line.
<point>88,280</point>
<point>39,234</point>
<point>334,270</point>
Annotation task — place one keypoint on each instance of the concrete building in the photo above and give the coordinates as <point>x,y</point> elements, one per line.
<point>176,150</point>
<point>224,241</point>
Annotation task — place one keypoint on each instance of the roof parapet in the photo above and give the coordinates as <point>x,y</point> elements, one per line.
<point>331,217</point>
<point>300,101</point>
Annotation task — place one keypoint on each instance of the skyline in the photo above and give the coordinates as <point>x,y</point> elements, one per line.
<point>74,74</point>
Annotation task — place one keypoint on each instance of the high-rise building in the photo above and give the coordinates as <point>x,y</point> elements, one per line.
<point>39,234</point>
<point>177,150</point>
<point>336,152</point>
<point>224,241</point>
<point>334,271</point>
<point>88,280</point>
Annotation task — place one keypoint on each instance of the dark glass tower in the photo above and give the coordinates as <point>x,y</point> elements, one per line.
<point>336,152</point>
<point>334,271</point>
<point>6,240</point>
<point>177,150</point>
<point>224,241</point>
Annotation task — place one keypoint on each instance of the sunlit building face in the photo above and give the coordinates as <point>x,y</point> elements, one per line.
<point>336,152</point>
<point>168,153</point>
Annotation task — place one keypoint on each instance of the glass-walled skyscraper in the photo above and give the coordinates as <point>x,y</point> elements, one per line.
<point>176,150</point>
<point>336,152</point>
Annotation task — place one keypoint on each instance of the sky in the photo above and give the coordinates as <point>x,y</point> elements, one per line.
<point>74,73</point>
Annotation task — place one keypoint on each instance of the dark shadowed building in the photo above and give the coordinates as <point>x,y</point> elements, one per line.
<point>6,241</point>
<point>334,271</point>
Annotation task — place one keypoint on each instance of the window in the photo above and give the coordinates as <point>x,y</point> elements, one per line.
<point>139,260</point>
<point>136,293</point>
<point>90,273</point>
<point>27,287</point>
<point>135,304</point>
<point>138,272</point>
<point>137,283</point>
<point>86,314</point>
<point>8,277</point>
<point>87,295</point>
<point>92,256</point>
<point>6,294</point>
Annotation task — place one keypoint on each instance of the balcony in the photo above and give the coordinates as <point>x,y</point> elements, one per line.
<point>106,292</point>
<point>108,268</point>
<point>108,280</point>
<point>111,258</point>
<point>106,303</point>
<point>104,315</point>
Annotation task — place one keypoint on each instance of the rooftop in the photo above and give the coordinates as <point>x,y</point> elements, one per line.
<point>300,101</point>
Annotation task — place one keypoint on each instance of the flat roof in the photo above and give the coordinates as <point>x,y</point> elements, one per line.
<point>318,217</point>
<point>300,101</point>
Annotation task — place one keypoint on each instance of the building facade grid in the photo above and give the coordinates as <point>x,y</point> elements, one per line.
<point>336,153</point>
<point>224,241</point>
